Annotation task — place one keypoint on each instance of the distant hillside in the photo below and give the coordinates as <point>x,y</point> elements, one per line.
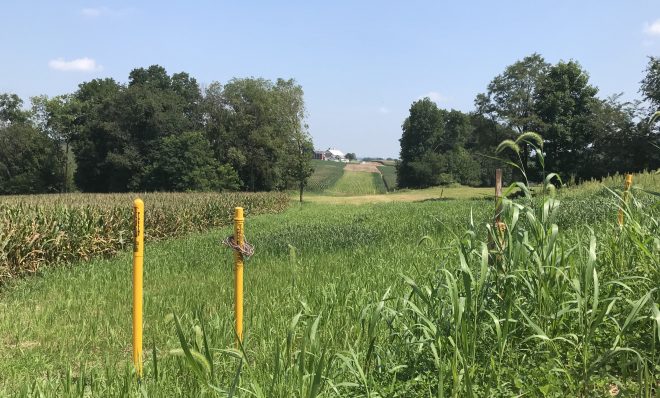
<point>325,175</point>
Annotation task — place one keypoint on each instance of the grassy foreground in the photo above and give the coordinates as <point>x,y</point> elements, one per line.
<point>390,300</point>
<point>79,318</point>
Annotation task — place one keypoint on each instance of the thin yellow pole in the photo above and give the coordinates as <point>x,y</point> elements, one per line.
<point>626,187</point>
<point>238,271</point>
<point>138,258</point>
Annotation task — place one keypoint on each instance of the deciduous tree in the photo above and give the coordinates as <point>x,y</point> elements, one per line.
<point>28,161</point>
<point>650,88</point>
<point>564,104</point>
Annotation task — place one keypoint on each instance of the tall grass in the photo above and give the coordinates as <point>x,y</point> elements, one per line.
<point>391,300</point>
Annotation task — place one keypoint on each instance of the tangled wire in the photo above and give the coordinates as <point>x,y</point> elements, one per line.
<point>247,250</point>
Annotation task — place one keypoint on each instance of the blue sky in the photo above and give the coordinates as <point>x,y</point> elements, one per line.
<point>361,63</point>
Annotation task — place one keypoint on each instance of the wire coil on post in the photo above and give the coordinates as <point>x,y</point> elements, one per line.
<point>247,250</point>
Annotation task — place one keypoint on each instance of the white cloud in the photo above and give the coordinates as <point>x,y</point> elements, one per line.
<point>79,65</point>
<point>97,12</point>
<point>383,110</point>
<point>653,28</point>
<point>93,12</point>
<point>435,97</point>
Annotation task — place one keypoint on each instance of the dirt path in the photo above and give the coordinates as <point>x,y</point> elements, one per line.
<point>369,167</point>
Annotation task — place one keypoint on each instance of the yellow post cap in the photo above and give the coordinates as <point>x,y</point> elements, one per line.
<point>238,213</point>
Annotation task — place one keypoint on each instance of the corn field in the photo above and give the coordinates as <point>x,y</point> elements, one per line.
<point>40,230</point>
<point>325,175</point>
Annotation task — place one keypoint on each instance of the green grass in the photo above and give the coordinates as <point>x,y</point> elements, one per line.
<point>358,183</point>
<point>389,176</point>
<point>386,162</point>
<point>394,299</point>
<point>81,315</point>
<point>406,195</point>
<point>325,175</point>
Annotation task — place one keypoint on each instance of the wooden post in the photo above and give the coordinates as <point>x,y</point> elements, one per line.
<point>497,223</point>
<point>498,195</point>
<point>626,187</point>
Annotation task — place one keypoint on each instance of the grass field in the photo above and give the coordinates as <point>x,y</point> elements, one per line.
<point>408,195</point>
<point>394,299</point>
<point>81,316</point>
<point>357,183</point>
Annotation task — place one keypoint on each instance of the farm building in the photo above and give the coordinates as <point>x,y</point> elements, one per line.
<point>331,154</point>
<point>335,155</point>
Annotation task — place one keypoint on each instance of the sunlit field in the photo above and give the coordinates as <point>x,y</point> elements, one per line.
<point>376,299</point>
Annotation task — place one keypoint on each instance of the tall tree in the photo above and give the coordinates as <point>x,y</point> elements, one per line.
<point>28,161</point>
<point>291,107</point>
<point>564,104</point>
<point>59,117</point>
<point>651,83</point>
<point>422,130</point>
<point>11,110</point>
<point>100,146</point>
<point>510,96</point>
<point>251,124</point>
<point>299,166</point>
<point>185,162</point>
<point>122,126</point>
<point>433,148</point>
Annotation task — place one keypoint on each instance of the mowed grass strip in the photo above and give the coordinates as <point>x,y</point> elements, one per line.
<point>408,195</point>
<point>354,183</point>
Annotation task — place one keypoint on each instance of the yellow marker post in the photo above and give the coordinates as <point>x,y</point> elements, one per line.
<point>626,187</point>
<point>238,271</point>
<point>138,257</point>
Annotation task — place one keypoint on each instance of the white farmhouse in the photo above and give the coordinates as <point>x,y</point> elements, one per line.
<point>335,155</point>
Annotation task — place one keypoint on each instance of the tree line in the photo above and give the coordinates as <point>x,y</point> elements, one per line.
<point>158,132</point>
<point>584,136</point>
